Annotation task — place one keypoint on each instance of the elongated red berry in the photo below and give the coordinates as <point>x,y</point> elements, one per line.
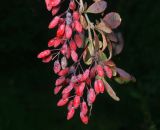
<point>70,113</point>
<point>85,74</point>
<point>47,59</point>
<point>74,56</point>
<point>78,26</point>
<point>70,105</point>
<point>76,101</point>
<point>84,118</point>
<point>68,32</point>
<point>44,54</point>
<point>100,71</point>
<point>54,22</point>
<point>57,89</point>
<point>48,5</point>
<point>55,10</point>
<point>57,66</point>
<point>91,96</point>
<point>54,42</point>
<point>108,71</point>
<point>59,81</point>
<point>62,102</point>
<point>63,72</point>
<point>55,2</point>
<point>96,87</point>
<point>67,89</point>
<point>84,108</point>
<point>68,54</point>
<point>80,89</point>
<point>61,30</point>
<point>72,5</point>
<point>100,85</point>
<point>92,72</point>
<point>78,40</point>
<point>65,96</point>
<point>64,49</point>
<point>76,15</point>
<point>72,45</point>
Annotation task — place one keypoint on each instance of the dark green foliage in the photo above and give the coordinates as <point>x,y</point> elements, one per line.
<point>26,97</point>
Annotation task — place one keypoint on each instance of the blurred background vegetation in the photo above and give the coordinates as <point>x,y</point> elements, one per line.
<point>26,97</point>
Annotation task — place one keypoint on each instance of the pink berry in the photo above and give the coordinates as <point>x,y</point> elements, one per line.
<point>108,71</point>
<point>61,30</point>
<point>80,89</point>
<point>62,102</point>
<point>91,96</point>
<point>76,101</point>
<point>70,105</point>
<point>54,22</point>
<point>84,108</point>
<point>76,15</point>
<point>85,74</point>
<point>44,54</point>
<point>100,71</point>
<point>74,56</point>
<point>96,87</point>
<point>63,72</point>
<point>78,26</point>
<point>68,32</point>
<point>59,81</point>
<point>100,85</point>
<point>78,40</point>
<point>57,89</point>
<point>84,118</point>
<point>72,45</point>
<point>55,10</point>
<point>72,5</point>
<point>70,113</point>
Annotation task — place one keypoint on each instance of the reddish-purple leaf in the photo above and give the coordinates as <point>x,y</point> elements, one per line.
<point>112,19</point>
<point>97,7</point>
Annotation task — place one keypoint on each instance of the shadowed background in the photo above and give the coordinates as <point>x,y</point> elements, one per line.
<point>26,96</point>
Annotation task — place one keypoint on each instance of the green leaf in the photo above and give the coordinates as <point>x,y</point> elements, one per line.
<point>102,56</point>
<point>97,7</point>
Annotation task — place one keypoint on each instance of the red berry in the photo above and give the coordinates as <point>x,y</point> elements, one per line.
<point>55,10</point>
<point>72,45</point>
<point>70,113</point>
<point>63,72</point>
<point>76,15</point>
<point>64,49</point>
<point>85,74</point>
<point>54,22</point>
<point>80,89</point>
<point>100,71</point>
<point>61,30</point>
<point>65,96</point>
<point>78,26</point>
<point>92,72</point>
<point>76,101</point>
<point>78,40</point>
<point>44,54</point>
<point>57,89</point>
<point>84,118</point>
<point>100,85</point>
<point>54,42</point>
<point>108,71</point>
<point>74,56</point>
<point>57,66</point>
<point>47,59</point>
<point>68,32</point>
<point>48,5</point>
<point>62,102</point>
<point>72,5</point>
<point>70,105</point>
<point>55,2</point>
<point>68,54</point>
<point>96,87</point>
<point>68,89</point>
<point>59,81</point>
<point>91,96</point>
<point>84,108</point>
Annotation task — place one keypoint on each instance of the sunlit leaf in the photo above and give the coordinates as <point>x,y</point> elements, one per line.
<point>112,19</point>
<point>103,27</point>
<point>110,91</point>
<point>104,45</point>
<point>83,22</point>
<point>97,7</point>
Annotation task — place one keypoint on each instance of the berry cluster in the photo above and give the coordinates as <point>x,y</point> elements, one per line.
<point>78,54</point>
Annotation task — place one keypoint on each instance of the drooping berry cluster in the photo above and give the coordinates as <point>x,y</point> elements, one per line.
<point>78,54</point>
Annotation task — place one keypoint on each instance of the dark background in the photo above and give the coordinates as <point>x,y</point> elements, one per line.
<point>26,99</point>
